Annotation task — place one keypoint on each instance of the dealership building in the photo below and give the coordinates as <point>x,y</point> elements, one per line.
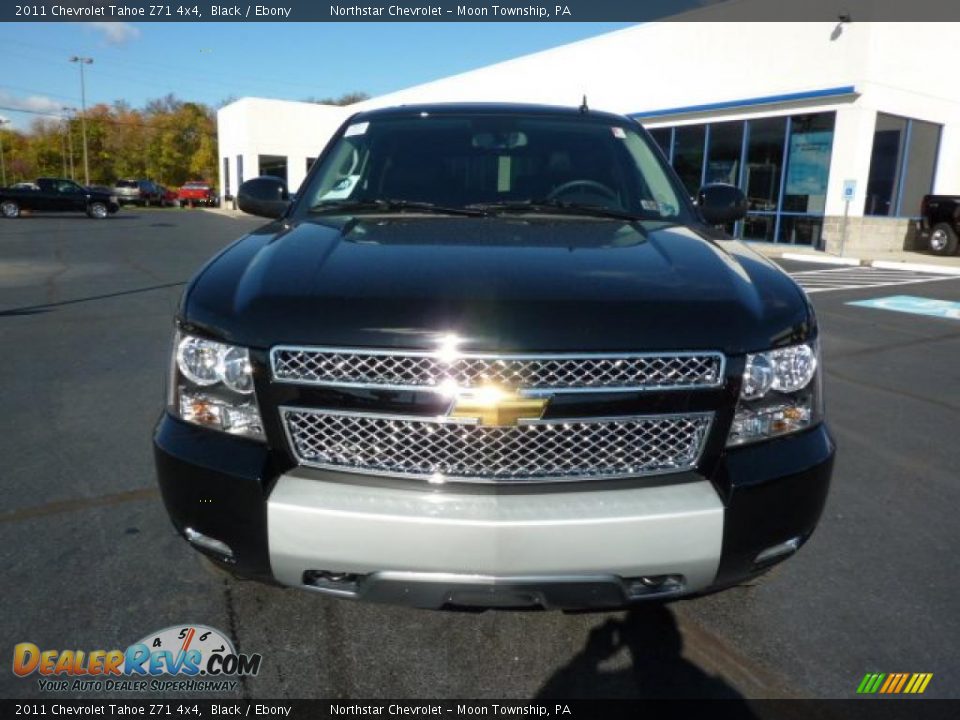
<point>834,130</point>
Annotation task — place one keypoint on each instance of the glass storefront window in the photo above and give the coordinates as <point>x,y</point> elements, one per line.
<point>662,138</point>
<point>784,177</point>
<point>725,147</point>
<point>764,162</point>
<point>801,230</point>
<point>920,164</point>
<point>885,158</point>
<point>808,164</point>
<point>759,227</point>
<point>688,155</point>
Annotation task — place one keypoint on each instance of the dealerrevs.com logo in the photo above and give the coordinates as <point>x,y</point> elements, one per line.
<point>201,658</point>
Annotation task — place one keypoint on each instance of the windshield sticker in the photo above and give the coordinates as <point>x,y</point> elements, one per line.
<point>618,132</point>
<point>341,189</point>
<point>356,129</point>
<point>650,205</point>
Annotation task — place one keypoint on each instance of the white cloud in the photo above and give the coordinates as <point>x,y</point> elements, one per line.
<point>115,33</point>
<point>30,103</point>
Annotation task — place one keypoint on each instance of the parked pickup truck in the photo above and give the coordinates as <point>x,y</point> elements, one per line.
<point>493,355</point>
<point>197,193</point>
<point>57,195</point>
<point>939,224</point>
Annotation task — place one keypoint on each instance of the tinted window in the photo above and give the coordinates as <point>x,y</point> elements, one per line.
<point>458,160</point>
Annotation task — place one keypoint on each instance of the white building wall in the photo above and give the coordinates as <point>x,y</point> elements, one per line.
<point>663,65</point>
<point>681,65</point>
<point>257,126</point>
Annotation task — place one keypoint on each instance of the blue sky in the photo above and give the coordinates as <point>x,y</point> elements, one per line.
<point>209,62</point>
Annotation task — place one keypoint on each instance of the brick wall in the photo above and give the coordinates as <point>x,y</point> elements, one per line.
<point>868,233</point>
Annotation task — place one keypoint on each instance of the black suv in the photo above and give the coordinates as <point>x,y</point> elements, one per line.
<point>492,355</point>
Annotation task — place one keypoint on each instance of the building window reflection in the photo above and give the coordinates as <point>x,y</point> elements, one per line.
<point>808,164</point>
<point>781,163</point>
<point>901,165</point>
<point>724,153</point>
<point>764,163</point>
<point>688,142</point>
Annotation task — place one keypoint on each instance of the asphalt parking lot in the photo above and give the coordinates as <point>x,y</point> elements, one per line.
<point>91,560</point>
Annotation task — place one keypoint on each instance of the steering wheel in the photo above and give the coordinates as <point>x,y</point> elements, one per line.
<point>591,184</point>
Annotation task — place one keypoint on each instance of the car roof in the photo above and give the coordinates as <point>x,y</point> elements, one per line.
<point>488,109</point>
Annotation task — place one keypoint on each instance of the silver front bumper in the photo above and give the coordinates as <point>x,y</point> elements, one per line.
<point>428,549</point>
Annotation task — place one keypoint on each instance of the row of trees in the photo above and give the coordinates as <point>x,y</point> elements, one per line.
<point>169,141</point>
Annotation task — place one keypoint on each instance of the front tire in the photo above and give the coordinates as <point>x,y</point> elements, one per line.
<point>942,240</point>
<point>10,209</point>
<point>97,210</point>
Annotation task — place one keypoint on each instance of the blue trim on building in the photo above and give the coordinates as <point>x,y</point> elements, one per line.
<point>748,102</point>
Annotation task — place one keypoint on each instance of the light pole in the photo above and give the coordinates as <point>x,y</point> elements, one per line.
<point>3,167</point>
<point>63,146</point>
<point>70,137</point>
<point>83,113</point>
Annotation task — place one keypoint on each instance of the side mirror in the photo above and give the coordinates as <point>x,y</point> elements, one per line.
<point>264,196</point>
<point>721,204</point>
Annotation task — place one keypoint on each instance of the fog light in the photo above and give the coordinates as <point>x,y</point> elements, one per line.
<point>222,414</point>
<point>341,584</point>
<point>208,543</point>
<point>654,585</point>
<point>778,551</point>
<point>759,422</point>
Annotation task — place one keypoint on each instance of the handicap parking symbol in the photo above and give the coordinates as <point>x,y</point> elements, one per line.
<point>915,305</point>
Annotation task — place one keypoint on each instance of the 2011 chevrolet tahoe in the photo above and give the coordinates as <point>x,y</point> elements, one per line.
<point>494,355</point>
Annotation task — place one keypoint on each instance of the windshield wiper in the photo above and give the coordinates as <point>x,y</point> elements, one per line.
<point>554,207</point>
<point>387,205</point>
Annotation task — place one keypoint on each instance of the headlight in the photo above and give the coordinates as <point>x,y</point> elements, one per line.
<point>780,394</point>
<point>212,385</point>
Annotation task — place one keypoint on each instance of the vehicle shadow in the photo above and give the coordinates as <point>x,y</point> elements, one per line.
<point>656,667</point>
<point>78,215</point>
<point>47,307</point>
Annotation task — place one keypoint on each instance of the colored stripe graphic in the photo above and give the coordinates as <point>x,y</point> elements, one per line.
<point>894,683</point>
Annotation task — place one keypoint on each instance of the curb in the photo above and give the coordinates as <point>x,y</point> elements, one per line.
<point>916,267</point>
<point>878,264</point>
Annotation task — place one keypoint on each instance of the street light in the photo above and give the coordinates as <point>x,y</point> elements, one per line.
<point>69,110</point>
<point>3,168</point>
<point>83,112</point>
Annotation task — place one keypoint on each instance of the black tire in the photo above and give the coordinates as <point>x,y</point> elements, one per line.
<point>98,210</point>
<point>10,209</point>
<point>942,240</point>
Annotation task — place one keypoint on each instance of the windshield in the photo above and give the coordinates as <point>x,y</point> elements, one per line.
<point>517,163</point>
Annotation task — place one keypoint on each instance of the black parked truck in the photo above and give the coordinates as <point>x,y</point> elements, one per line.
<point>939,224</point>
<point>56,195</point>
<point>492,355</point>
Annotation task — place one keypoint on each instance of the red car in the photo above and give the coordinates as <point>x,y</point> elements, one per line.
<point>197,192</point>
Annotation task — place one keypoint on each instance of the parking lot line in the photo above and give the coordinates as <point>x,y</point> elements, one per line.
<point>858,278</point>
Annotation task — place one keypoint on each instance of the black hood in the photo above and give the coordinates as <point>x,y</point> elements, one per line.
<point>502,284</point>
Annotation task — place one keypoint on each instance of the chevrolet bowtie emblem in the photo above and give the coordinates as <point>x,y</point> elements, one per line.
<point>494,407</point>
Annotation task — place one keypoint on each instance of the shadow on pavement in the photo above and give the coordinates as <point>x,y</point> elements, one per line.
<point>46,307</point>
<point>656,668</point>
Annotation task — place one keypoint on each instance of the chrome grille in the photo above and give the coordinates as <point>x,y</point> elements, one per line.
<point>537,451</point>
<point>415,370</point>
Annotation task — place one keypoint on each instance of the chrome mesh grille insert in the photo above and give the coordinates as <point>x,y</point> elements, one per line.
<point>554,373</point>
<point>543,450</point>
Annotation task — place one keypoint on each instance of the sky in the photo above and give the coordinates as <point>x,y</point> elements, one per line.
<point>210,62</point>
